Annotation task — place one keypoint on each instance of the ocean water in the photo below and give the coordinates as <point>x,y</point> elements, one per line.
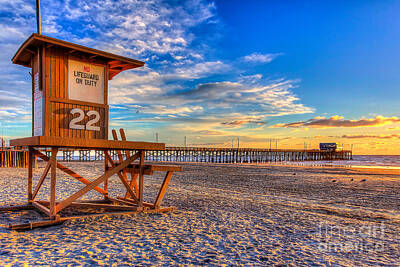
<point>387,161</point>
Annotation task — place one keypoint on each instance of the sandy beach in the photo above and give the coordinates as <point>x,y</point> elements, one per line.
<point>227,214</point>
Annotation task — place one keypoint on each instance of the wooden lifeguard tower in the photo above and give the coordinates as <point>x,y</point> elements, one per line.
<point>70,110</point>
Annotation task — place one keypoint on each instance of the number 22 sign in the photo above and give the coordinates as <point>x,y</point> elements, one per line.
<point>89,125</point>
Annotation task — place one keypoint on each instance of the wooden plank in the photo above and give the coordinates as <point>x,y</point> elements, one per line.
<point>57,72</point>
<point>141,186</point>
<point>65,120</point>
<point>105,170</point>
<point>98,204</point>
<point>42,208</point>
<point>102,206</point>
<point>133,184</point>
<point>30,173</point>
<point>104,114</point>
<point>77,102</point>
<point>146,204</point>
<point>16,208</point>
<point>52,73</point>
<point>37,38</point>
<point>173,168</point>
<point>85,133</point>
<point>149,169</point>
<point>121,159</point>
<point>95,183</point>
<point>106,124</point>
<point>127,186</point>
<point>53,160</point>
<point>33,225</point>
<point>42,86</point>
<point>47,92</point>
<point>70,172</point>
<point>69,116</point>
<point>122,201</point>
<point>104,129</point>
<point>50,141</point>
<point>163,189</point>
<point>123,138</point>
<point>33,93</point>
<point>121,176</point>
<point>61,73</point>
<point>66,111</point>
<point>57,120</point>
<point>39,184</point>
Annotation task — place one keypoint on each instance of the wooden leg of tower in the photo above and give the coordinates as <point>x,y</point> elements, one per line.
<point>30,174</point>
<point>105,170</point>
<point>53,183</point>
<point>140,197</point>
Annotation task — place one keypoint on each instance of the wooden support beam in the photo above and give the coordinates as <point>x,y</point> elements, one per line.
<point>17,208</point>
<point>95,183</point>
<point>133,184</point>
<point>146,204</point>
<point>101,201</point>
<point>163,189</point>
<point>121,177</point>
<point>121,201</point>
<point>70,172</point>
<point>102,206</point>
<point>149,169</point>
<point>42,208</point>
<point>105,169</point>
<point>140,197</point>
<point>30,174</point>
<point>123,137</point>
<point>124,176</point>
<point>33,225</point>
<point>53,181</point>
<point>39,184</point>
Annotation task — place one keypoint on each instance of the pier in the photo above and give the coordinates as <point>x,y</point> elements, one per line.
<point>220,155</point>
<point>14,158</point>
<point>18,158</point>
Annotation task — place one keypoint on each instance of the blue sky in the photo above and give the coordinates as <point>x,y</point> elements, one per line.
<point>295,71</point>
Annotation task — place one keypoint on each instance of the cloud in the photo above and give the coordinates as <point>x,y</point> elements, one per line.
<point>235,124</point>
<point>208,132</point>
<point>201,69</point>
<point>261,58</point>
<point>207,144</point>
<point>338,121</point>
<point>134,27</point>
<point>361,136</point>
<point>231,104</point>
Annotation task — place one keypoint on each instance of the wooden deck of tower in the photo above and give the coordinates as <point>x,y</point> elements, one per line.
<point>129,164</point>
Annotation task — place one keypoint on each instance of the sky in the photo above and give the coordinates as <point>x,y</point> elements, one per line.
<point>294,72</point>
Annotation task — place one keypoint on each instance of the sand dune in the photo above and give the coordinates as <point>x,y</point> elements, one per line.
<point>227,214</point>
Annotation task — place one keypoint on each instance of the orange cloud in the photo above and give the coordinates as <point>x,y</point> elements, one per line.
<point>209,132</point>
<point>235,124</point>
<point>388,136</point>
<point>338,121</point>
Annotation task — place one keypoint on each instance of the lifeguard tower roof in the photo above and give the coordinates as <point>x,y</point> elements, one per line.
<point>116,63</point>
